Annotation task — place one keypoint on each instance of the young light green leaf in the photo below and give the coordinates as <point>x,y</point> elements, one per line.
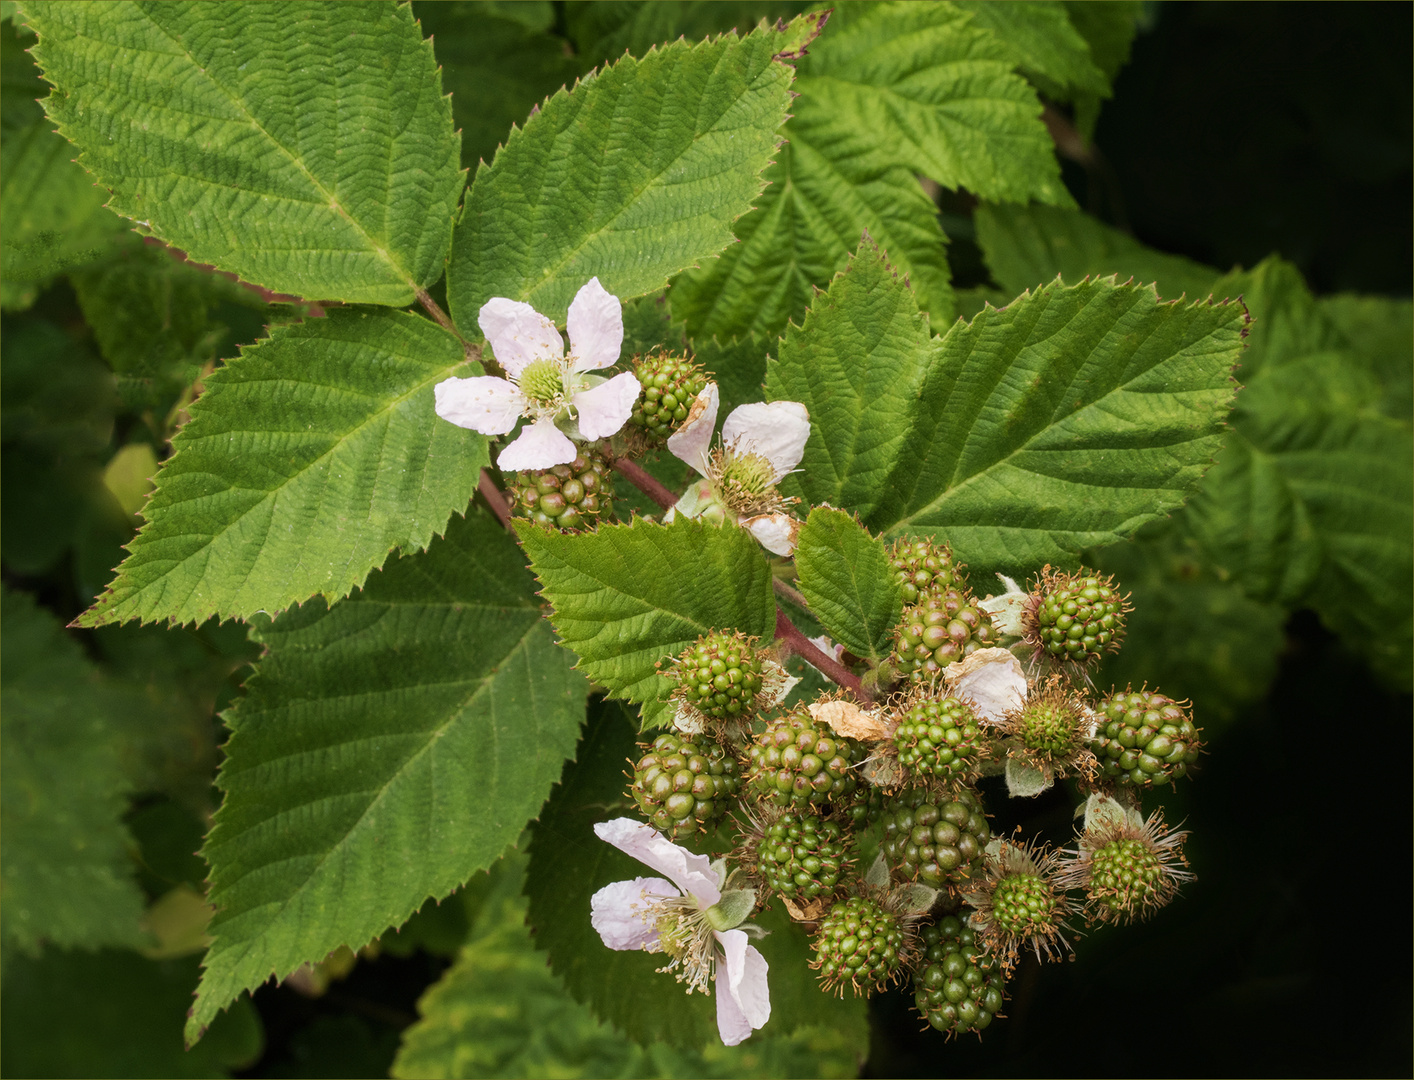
<point>225,130</point>
<point>1064,420</point>
<point>1047,48</point>
<point>1026,246</point>
<point>386,749</point>
<point>568,864</point>
<point>845,574</point>
<point>64,867</point>
<point>922,86</point>
<point>627,597</point>
<point>306,460</point>
<point>802,230</point>
<point>633,176</point>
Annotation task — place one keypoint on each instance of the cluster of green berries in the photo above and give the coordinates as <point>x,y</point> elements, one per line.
<point>941,739</point>
<point>720,676</point>
<point>802,856</point>
<point>569,497</point>
<point>940,630</point>
<point>960,987</point>
<point>670,384</point>
<point>1145,739</point>
<point>922,569</point>
<point>1076,618</point>
<point>794,762</point>
<point>683,785</point>
<point>860,943</point>
<point>936,839</point>
<point>1127,875</point>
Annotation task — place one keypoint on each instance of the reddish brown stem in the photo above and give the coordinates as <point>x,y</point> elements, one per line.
<point>431,307</point>
<point>494,498</point>
<point>791,640</point>
<point>649,485</point>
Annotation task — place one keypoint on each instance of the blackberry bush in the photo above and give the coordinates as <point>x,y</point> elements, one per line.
<point>939,630</point>
<point>801,856</point>
<point>670,383</point>
<point>721,677</point>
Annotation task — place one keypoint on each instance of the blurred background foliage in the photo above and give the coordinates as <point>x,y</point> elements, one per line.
<point>1265,149</point>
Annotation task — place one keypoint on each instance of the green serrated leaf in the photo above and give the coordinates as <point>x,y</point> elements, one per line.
<point>20,84</point>
<point>305,462</point>
<point>1380,330</point>
<point>1066,419</point>
<point>820,200</point>
<point>387,748</point>
<point>226,130</point>
<point>1026,246</point>
<point>920,85</point>
<point>1046,47</point>
<point>606,29</point>
<point>1108,30</point>
<point>64,867</point>
<point>633,176</point>
<point>568,864</point>
<point>845,574</point>
<point>627,597</point>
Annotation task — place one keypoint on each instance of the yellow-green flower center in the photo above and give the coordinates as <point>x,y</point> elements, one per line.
<point>542,382</point>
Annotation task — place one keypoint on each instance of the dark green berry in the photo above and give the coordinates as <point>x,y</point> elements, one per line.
<point>802,856</point>
<point>923,568</point>
<point>959,987</point>
<point>936,839</point>
<point>670,384</point>
<point>569,497</point>
<point>1145,739</point>
<point>720,676</point>
<point>1076,618</point>
<point>861,944</point>
<point>684,784</point>
<point>1025,906</point>
<point>795,763</point>
<point>1128,875</point>
<point>940,630</point>
<point>941,739</point>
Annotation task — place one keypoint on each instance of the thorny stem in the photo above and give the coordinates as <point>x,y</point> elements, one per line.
<point>649,485</point>
<point>494,498</point>
<point>786,592</point>
<point>792,641</point>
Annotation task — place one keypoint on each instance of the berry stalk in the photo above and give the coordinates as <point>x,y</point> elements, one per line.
<point>793,642</point>
<point>649,485</point>
<point>495,498</point>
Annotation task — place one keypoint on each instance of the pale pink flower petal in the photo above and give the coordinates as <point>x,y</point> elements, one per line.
<point>605,408</point>
<point>538,446</point>
<point>776,430</point>
<point>743,998</point>
<point>518,334</point>
<point>691,441</point>
<point>484,403</point>
<point>690,873</point>
<point>992,680</point>
<point>596,328</point>
<point>622,912</point>
<point>776,533</point>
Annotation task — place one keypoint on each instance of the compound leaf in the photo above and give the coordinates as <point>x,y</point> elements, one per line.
<point>387,748</point>
<point>232,132</point>
<point>634,175</point>
<point>625,597</point>
<point>306,460</point>
<point>845,574</point>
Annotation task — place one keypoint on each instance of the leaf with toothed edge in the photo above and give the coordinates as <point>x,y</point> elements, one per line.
<point>626,597</point>
<point>386,749</point>
<point>305,462</point>
<point>845,574</point>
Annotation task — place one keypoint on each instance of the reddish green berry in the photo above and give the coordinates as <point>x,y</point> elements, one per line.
<point>1020,902</point>
<point>1145,739</point>
<point>569,497</point>
<point>941,739</point>
<point>1075,618</point>
<point>936,839</point>
<point>802,856</point>
<point>939,631</point>
<point>720,676</point>
<point>670,384</point>
<point>923,568</point>
<point>861,944</point>
<point>1128,869</point>
<point>683,784</point>
<point>959,987</point>
<point>795,763</point>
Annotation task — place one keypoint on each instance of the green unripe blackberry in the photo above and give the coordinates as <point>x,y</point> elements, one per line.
<point>802,856</point>
<point>936,839</point>
<point>938,631</point>
<point>1025,906</point>
<point>720,676</point>
<point>795,763</point>
<point>1075,618</point>
<point>861,944</point>
<point>684,784</point>
<point>923,568</point>
<point>670,384</point>
<point>1145,739</point>
<point>1127,869</point>
<point>941,739</point>
<point>1127,876</point>
<point>569,497</point>
<point>960,987</point>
